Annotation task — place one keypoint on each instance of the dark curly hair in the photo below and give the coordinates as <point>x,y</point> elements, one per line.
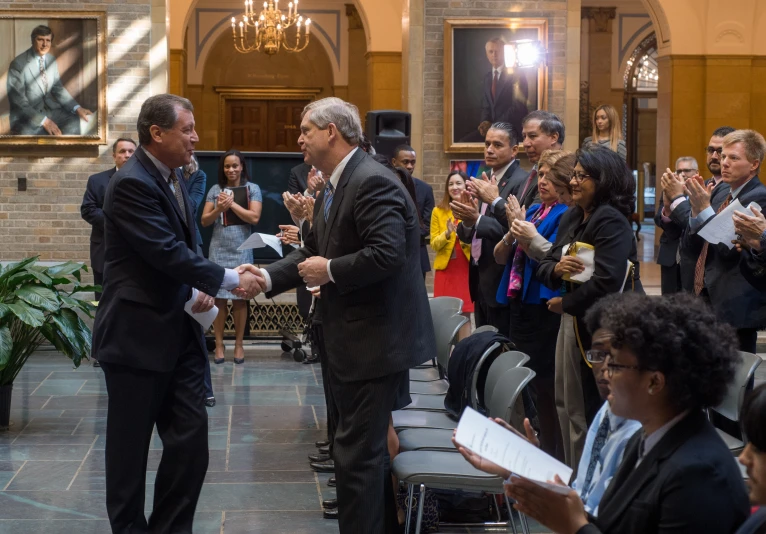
<point>679,336</point>
<point>614,181</point>
<point>753,416</point>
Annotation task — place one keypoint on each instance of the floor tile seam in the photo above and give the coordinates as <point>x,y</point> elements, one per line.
<point>228,436</point>
<point>78,426</point>
<point>15,475</point>
<point>41,383</point>
<point>79,468</point>
<point>316,419</point>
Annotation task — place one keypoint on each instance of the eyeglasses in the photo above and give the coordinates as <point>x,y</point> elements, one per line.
<point>610,368</point>
<point>596,356</point>
<point>580,177</point>
<point>710,150</point>
<point>685,171</point>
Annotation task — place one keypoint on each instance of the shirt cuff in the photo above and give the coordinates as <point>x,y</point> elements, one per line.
<point>43,121</point>
<point>329,272</point>
<point>307,194</point>
<point>74,109</point>
<point>475,225</point>
<point>230,280</point>
<point>704,215</point>
<point>266,275</point>
<point>675,203</point>
<point>494,202</point>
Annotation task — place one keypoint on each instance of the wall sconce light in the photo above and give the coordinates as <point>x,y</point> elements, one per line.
<point>525,53</point>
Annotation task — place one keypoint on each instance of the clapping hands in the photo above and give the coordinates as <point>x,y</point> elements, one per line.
<point>224,201</point>
<point>315,181</point>
<point>467,209</point>
<point>513,211</point>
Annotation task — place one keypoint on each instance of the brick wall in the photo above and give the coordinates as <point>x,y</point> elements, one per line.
<point>45,219</point>
<point>435,160</point>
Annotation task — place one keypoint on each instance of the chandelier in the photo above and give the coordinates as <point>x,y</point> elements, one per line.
<point>267,31</point>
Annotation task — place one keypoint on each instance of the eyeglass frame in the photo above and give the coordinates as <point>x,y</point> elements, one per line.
<point>685,171</point>
<point>579,177</point>
<point>710,150</point>
<point>590,359</point>
<point>611,367</point>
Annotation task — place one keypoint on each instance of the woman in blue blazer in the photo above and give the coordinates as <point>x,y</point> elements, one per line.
<point>533,328</point>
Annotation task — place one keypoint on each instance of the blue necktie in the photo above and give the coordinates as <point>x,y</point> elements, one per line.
<point>598,445</point>
<point>328,194</point>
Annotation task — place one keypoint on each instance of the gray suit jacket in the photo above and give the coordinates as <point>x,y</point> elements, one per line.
<point>375,315</point>
<point>29,102</point>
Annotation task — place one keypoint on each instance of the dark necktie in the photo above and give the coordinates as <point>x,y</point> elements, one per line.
<point>595,454</point>
<point>526,186</point>
<point>495,77</point>
<point>699,270</point>
<point>179,195</point>
<point>328,194</point>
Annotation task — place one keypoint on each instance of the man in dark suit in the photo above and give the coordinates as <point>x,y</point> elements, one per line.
<point>40,105</point>
<point>405,157</point>
<point>673,222</point>
<point>541,130</point>
<point>151,351</point>
<point>93,204</point>
<point>504,93</point>
<point>718,267</point>
<point>364,252</point>
<point>483,224</point>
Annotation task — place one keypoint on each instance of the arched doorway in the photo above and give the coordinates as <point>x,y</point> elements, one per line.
<point>641,79</point>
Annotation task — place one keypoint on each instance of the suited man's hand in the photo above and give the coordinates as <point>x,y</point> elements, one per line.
<point>50,127</point>
<point>485,189</point>
<point>484,128</point>
<point>749,228</point>
<point>203,303</point>
<point>289,234</point>
<point>467,210</point>
<point>84,113</point>
<point>308,204</point>
<point>295,205</point>
<point>315,181</point>
<point>672,185</point>
<point>314,271</point>
<point>699,195</point>
<point>251,282</point>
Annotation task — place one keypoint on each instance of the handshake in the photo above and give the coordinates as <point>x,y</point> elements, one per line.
<point>252,282</point>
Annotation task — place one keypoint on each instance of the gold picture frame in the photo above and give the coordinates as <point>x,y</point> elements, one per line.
<point>74,62</point>
<point>468,74</point>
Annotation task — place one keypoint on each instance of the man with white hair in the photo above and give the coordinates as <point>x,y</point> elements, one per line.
<point>364,251</point>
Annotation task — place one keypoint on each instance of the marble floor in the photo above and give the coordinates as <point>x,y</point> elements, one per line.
<point>269,413</point>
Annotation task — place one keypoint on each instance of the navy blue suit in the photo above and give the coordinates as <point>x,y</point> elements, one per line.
<point>151,351</point>
<point>92,211</point>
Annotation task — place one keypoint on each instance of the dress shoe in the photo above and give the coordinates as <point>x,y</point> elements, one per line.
<point>330,513</point>
<point>95,363</point>
<point>331,482</point>
<point>330,503</point>
<point>210,402</point>
<point>319,457</point>
<point>311,359</point>
<point>321,444</point>
<point>323,467</point>
<point>324,450</point>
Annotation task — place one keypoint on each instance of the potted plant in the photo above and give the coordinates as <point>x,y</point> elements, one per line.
<point>37,303</point>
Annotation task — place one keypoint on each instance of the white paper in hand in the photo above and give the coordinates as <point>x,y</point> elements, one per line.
<point>489,440</point>
<point>262,240</point>
<point>204,318</point>
<point>720,228</point>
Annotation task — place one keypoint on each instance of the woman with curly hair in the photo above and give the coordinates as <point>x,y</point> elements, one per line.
<point>753,458</point>
<point>670,359</point>
<point>603,191</point>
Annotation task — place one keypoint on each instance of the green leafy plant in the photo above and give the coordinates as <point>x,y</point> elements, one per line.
<point>37,303</point>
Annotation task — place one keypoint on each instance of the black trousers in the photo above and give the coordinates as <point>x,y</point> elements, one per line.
<point>670,279</point>
<point>332,410</point>
<point>98,279</point>
<point>500,318</point>
<point>174,401</point>
<point>748,338</point>
<point>362,465</point>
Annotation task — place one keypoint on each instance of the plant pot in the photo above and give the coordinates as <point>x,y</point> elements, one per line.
<point>5,406</point>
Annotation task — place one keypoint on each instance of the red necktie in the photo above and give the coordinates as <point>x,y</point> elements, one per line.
<point>699,270</point>
<point>495,76</point>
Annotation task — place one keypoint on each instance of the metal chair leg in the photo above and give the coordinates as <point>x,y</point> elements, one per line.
<point>511,521</point>
<point>524,524</point>
<point>420,508</point>
<point>410,492</point>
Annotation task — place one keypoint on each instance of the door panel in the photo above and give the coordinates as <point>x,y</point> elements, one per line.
<point>285,124</point>
<point>263,125</point>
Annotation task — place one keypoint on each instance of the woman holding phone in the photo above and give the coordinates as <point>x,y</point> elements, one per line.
<point>232,172</point>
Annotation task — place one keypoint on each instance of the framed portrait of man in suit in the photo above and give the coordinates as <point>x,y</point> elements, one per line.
<point>52,78</point>
<point>494,71</point>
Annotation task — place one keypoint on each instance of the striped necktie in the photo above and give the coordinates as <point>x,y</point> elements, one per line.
<point>173,179</point>
<point>43,73</point>
<point>328,194</point>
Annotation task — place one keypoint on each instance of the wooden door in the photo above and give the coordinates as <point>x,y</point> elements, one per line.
<point>247,125</point>
<point>285,124</point>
